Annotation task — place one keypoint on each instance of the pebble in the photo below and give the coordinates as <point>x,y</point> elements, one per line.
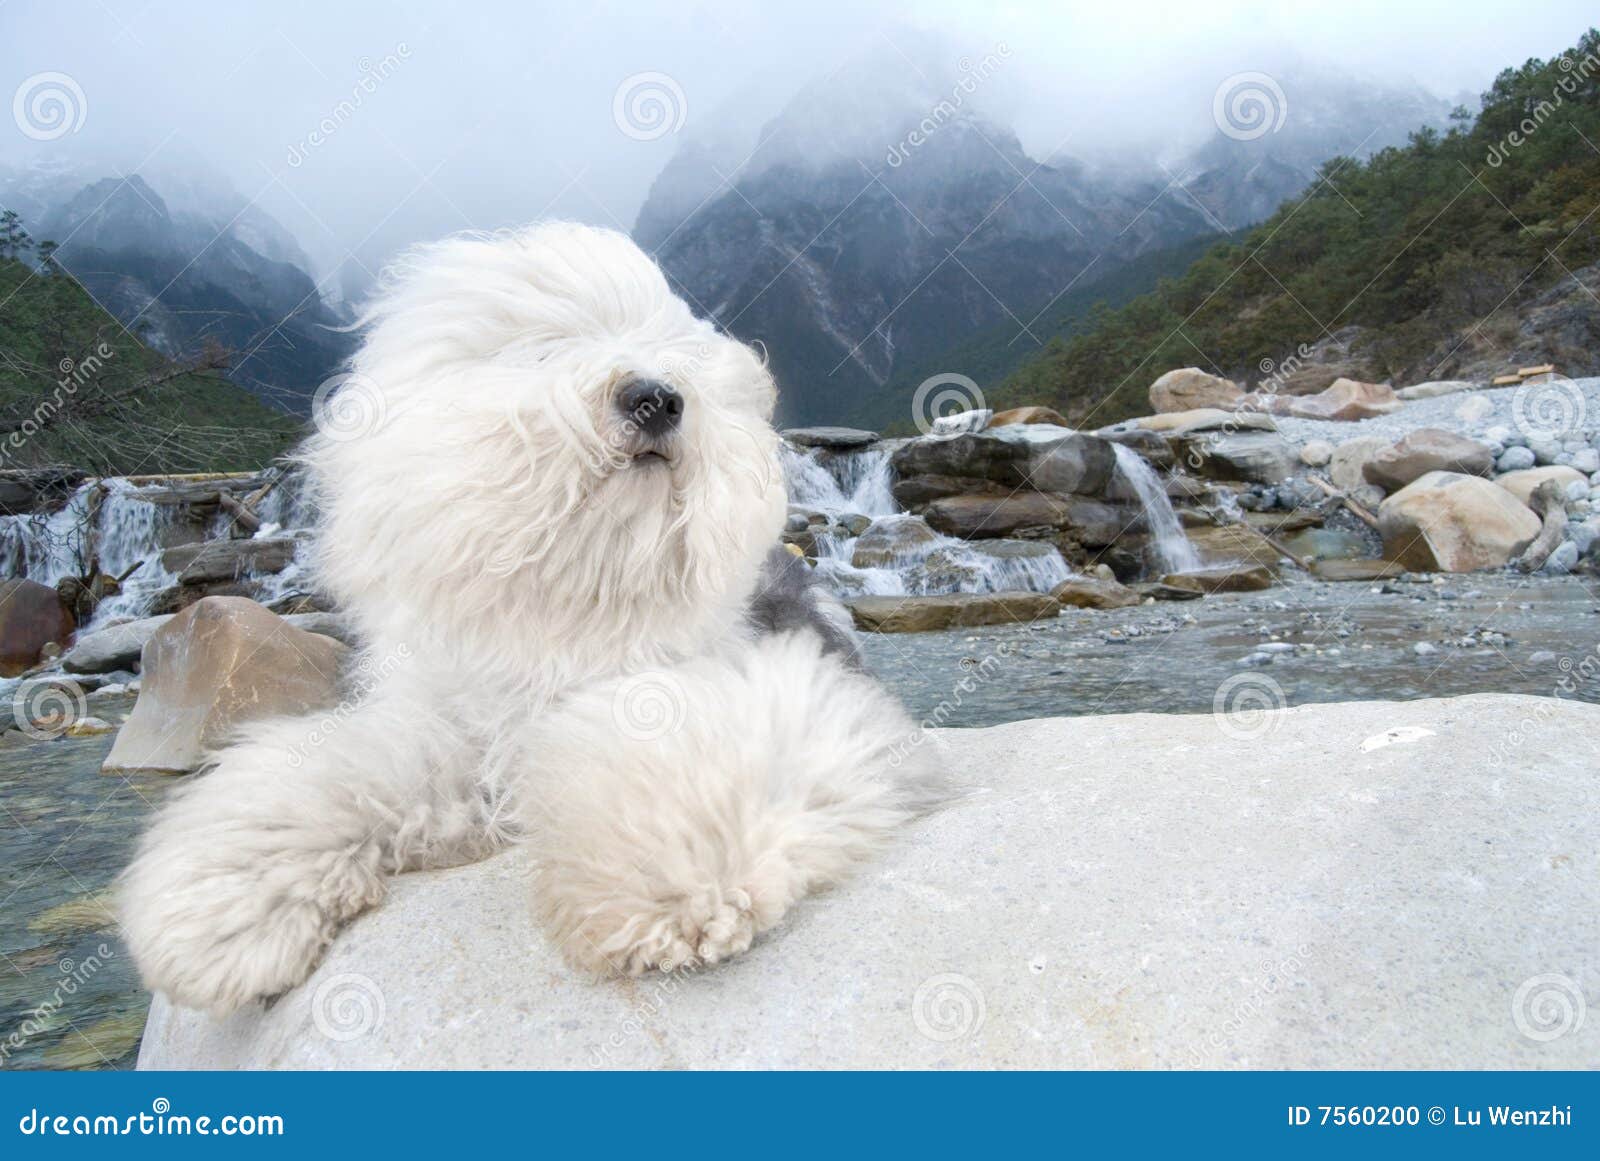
<point>1542,657</point>
<point>1515,459</point>
<point>1424,648</point>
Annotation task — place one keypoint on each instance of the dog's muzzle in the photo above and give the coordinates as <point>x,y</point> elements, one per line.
<point>651,407</point>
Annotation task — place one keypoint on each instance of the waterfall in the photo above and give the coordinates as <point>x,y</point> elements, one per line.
<point>1166,533</point>
<point>928,563</point>
<point>837,482</point>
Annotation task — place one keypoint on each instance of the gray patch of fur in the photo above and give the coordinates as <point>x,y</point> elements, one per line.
<point>788,599</point>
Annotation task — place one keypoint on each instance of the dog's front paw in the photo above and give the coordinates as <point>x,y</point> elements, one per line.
<point>632,937</point>
<point>213,930</point>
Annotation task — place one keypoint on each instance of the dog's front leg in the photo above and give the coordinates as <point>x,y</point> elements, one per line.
<point>245,876</point>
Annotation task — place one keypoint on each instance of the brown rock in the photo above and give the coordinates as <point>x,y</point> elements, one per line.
<point>890,539</point>
<point>1348,400</point>
<point>1229,544</point>
<point>216,665</point>
<point>1356,570</point>
<point>1427,449</point>
<point>954,610</point>
<point>1029,415</point>
<point>1092,522</point>
<point>1448,522</point>
<point>1522,484</point>
<point>31,617</point>
<point>1189,387</point>
<point>1246,579</point>
<point>1094,593</point>
<point>1347,468</point>
<point>913,493</point>
<point>1205,419</point>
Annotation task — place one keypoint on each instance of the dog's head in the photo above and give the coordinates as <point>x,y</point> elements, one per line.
<point>536,431</point>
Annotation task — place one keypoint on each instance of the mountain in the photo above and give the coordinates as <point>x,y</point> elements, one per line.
<point>187,265</point>
<point>1462,255</point>
<point>886,216</point>
<point>1271,140</point>
<point>76,388</point>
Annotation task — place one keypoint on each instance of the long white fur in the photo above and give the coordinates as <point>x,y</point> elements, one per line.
<point>492,529</point>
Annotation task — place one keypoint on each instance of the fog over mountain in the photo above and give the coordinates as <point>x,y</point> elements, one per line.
<point>299,147</point>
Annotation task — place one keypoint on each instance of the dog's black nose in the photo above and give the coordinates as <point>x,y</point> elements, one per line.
<point>651,406</point>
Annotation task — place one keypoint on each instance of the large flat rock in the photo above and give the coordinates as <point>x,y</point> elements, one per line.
<point>1405,885</point>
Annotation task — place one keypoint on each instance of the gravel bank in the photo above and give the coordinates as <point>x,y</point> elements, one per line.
<point>1468,413</point>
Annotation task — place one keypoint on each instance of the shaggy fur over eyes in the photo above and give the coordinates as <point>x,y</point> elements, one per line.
<point>561,576</point>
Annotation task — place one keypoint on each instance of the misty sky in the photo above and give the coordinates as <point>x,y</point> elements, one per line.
<point>495,114</point>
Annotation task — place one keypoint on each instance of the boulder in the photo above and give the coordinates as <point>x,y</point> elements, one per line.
<point>1038,456</point>
<point>1317,453</point>
<point>1449,522</point>
<point>113,648</point>
<point>951,610</point>
<point>833,438</point>
<point>891,540</point>
<point>28,490</point>
<point>1189,387</point>
<point>1427,449</point>
<point>31,617</point>
<point>1347,400</point>
<point>1232,544</point>
<point>1356,570</point>
<point>1152,445</point>
<point>1094,593</point>
<point>221,662</point>
<point>1029,415</point>
<point>1522,484</point>
<point>1157,591</point>
<point>1356,885</point>
<point>1435,388</point>
<point>1347,468</point>
<point>227,560</point>
<point>1262,457</point>
<point>1204,419</point>
<point>913,493</point>
<point>961,422</point>
<point>1092,523</point>
<point>1239,579</point>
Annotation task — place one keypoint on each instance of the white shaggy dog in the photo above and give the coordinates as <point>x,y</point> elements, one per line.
<point>556,511</point>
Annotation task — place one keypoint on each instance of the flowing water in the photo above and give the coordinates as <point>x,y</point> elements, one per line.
<point>1171,546</point>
